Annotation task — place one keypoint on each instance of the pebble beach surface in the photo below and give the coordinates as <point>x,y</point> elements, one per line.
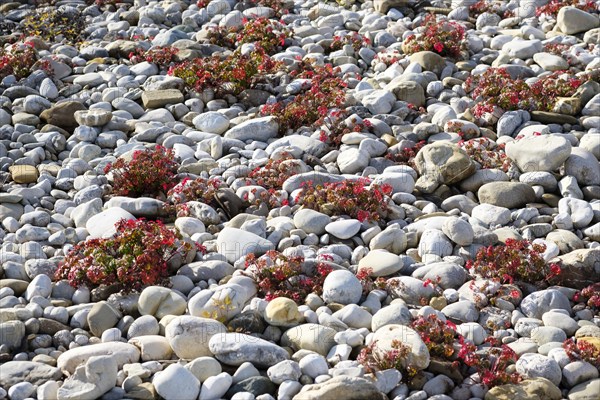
<point>435,166</point>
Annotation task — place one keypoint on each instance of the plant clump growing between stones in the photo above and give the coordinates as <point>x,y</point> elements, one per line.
<point>323,91</point>
<point>443,37</point>
<point>357,198</point>
<point>150,172</point>
<point>269,34</point>
<point>278,275</point>
<point>55,24</point>
<point>516,261</point>
<point>496,88</point>
<point>20,60</point>
<point>229,75</point>
<point>136,256</point>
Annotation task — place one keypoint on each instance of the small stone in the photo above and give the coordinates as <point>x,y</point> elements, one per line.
<point>160,301</point>
<point>313,337</point>
<point>23,173</point>
<point>160,98</point>
<point>342,286</point>
<point>96,117</point>
<point>101,317</point>
<point>176,382</point>
<point>189,336</point>
<point>216,386</point>
<point>284,371</point>
<point>282,311</point>
<point>344,229</point>
<point>236,348</point>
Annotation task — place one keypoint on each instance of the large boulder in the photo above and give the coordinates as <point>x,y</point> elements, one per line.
<point>442,163</point>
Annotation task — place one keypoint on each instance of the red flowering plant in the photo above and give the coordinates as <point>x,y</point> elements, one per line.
<point>374,360</point>
<point>275,172</point>
<point>357,198</point>
<point>310,106</point>
<point>590,295</point>
<point>150,172</point>
<point>20,60</point>
<point>268,33</point>
<point>553,7</point>
<point>406,156</point>
<point>229,75</point>
<point>136,256</point>
<point>162,56</point>
<point>485,6</point>
<point>368,283</point>
<point>444,37</point>
<point>557,49</point>
<point>438,336</point>
<point>582,350</point>
<point>199,189</point>
<point>516,261</point>
<point>278,275</point>
<point>487,153</point>
<point>496,88</point>
<point>491,367</point>
<point>335,126</point>
<point>387,57</point>
<point>355,39</point>
<point>271,197</point>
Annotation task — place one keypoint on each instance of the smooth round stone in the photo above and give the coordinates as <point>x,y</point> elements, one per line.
<point>282,311</point>
<point>144,325</point>
<point>313,337</point>
<point>204,367</point>
<point>216,386</point>
<point>189,336</point>
<point>506,194</point>
<point>102,316</point>
<point>153,347</point>
<point>562,321</point>
<point>578,372</point>
<point>175,381</point>
<point>212,122</point>
<point>236,348</point>
<point>547,334</point>
<point>396,313</point>
<point>344,229</point>
<point>459,231</point>
<point>434,242</point>
<point>21,391</point>
<point>189,226</point>
<point>385,336</point>
<point>311,221</point>
<point>539,153</point>
<point>342,287</point>
<point>160,301</point>
<point>313,365</point>
<point>381,262</point>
